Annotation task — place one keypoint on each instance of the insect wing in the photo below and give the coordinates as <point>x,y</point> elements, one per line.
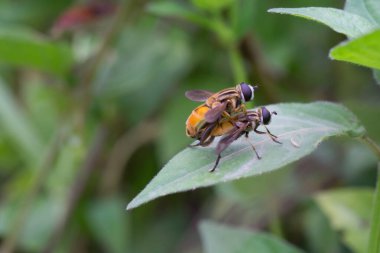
<point>229,138</point>
<point>213,114</point>
<point>198,95</point>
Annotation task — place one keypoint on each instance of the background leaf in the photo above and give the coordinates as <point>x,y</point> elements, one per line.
<point>318,229</point>
<point>340,21</point>
<point>212,5</point>
<point>42,219</point>
<point>349,211</point>
<point>358,7</point>
<point>18,127</point>
<point>224,239</point>
<point>376,75</point>
<point>35,13</point>
<point>303,124</point>
<point>175,10</point>
<point>109,224</point>
<point>24,48</point>
<point>141,79</point>
<point>373,7</point>
<point>363,51</point>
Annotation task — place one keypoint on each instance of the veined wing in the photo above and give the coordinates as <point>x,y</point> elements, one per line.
<point>198,95</point>
<point>213,114</point>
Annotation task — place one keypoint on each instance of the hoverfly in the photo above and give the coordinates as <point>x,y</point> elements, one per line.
<point>205,132</point>
<point>223,103</point>
<point>242,125</point>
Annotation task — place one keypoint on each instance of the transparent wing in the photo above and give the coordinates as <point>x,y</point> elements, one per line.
<point>213,114</point>
<point>229,138</point>
<point>198,95</point>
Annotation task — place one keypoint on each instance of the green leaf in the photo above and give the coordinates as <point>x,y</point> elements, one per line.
<point>18,127</point>
<point>340,21</point>
<point>40,97</point>
<point>358,7</point>
<point>141,79</point>
<point>300,128</point>
<point>39,225</point>
<point>349,211</point>
<point>367,112</point>
<point>373,7</point>
<point>224,239</point>
<point>376,75</point>
<point>212,5</point>
<point>242,16</point>
<point>317,229</point>
<point>24,48</point>
<point>175,10</point>
<point>114,233</point>
<point>70,157</point>
<point>37,13</point>
<point>363,51</point>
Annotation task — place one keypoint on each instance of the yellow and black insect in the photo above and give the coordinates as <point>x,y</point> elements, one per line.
<point>217,109</point>
<point>243,124</point>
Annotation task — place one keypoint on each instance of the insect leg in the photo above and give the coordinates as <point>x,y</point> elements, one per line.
<point>253,147</point>
<point>272,136</point>
<point>270,132</point>
<point>208,141</point>
<point>216,163</point>
<point>259,132</point>
<point>205,138</point>
<point>225,141</point>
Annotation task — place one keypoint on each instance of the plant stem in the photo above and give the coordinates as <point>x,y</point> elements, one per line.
<point>374,237</point>
<point>10,242</point>
<point>237,64</point>
<point>372,144</point>
<point>126,10</point>
<point>275,224</point>
<point>123,150</point>
<point>227,38</point>
<point>76,190</point>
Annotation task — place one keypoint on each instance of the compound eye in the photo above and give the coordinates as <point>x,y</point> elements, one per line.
<point>265,116</point>
<point>247,92</point>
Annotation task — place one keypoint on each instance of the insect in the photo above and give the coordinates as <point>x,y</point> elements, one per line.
<point>205,132</point>
<point>243,124</point>
<point>218,105</point>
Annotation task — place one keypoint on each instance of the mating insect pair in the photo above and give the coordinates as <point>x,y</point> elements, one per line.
<point>224,114</point>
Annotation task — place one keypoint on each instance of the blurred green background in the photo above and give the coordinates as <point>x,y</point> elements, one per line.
<point>92,106</point>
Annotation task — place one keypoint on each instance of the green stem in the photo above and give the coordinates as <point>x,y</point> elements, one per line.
<point>374,237</point>
<point>10,242</point>
<point>275,224</point>
<point>372,144</point>
<point>237,64</point>
<point>227,37</point>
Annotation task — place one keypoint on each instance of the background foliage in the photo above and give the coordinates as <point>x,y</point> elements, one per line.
<point>92,106</point>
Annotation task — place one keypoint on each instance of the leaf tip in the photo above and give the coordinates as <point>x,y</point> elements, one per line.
<point>131,205</point>
<point>331,54</point>
<point>274,10</point>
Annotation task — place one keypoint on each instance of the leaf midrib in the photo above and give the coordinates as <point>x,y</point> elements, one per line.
<point>226,158</point>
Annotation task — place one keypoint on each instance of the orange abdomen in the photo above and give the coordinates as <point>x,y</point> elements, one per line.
<point>222,128</point>
<point>196,120</point>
